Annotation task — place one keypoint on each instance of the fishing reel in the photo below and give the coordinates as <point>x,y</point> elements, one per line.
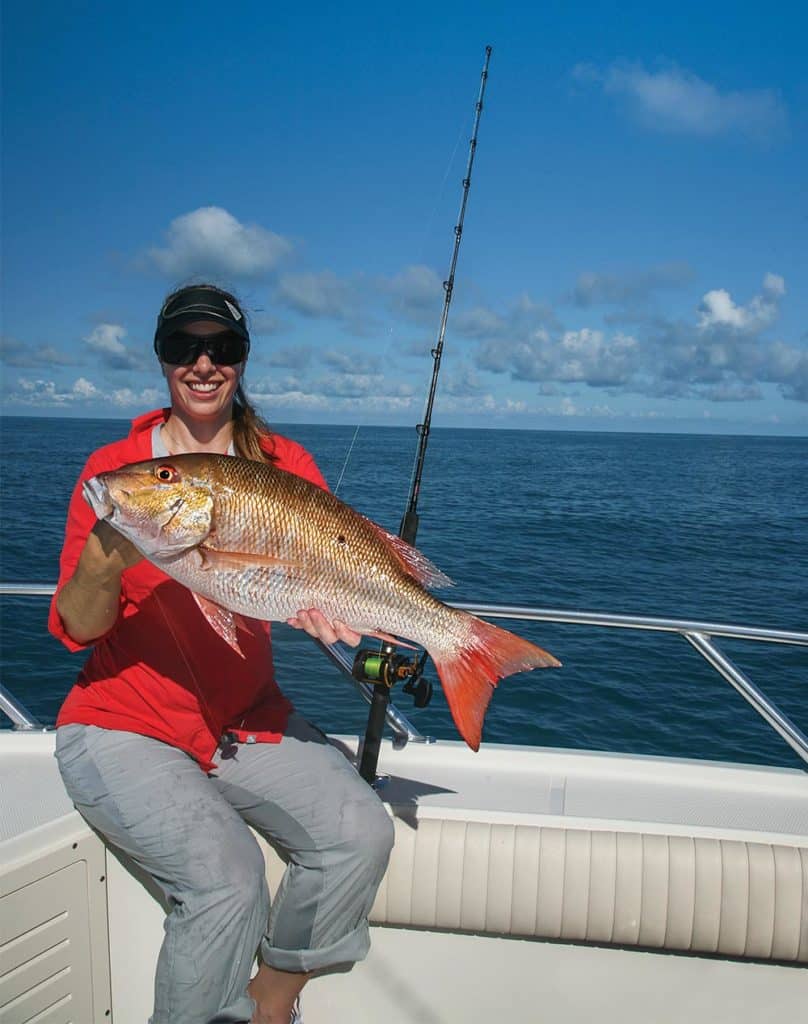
<point>388,667</point>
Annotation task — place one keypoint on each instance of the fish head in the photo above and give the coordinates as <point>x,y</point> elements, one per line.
<point>162,506</point>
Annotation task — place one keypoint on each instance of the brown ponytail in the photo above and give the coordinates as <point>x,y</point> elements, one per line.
<point>252,436</point>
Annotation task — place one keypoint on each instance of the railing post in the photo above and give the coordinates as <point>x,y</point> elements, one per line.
<point>747,689</point>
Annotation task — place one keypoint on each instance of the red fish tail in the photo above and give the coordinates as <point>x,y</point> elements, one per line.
<point>469,673</point>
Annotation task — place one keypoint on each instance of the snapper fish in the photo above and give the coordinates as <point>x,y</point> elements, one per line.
<point>252,540</point>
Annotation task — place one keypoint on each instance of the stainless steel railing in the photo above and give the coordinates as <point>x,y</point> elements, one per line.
<point>403,730</point>
<point>699,634</point>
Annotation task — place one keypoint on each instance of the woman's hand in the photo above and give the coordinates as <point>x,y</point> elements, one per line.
<point>107,553</point>
<point>328,632</point>
<point>89,601</point>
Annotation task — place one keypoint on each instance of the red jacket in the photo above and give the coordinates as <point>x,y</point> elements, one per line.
<point>161,670</point>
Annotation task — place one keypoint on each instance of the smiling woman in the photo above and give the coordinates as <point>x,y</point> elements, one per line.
<point>172,744</point>
<point>203,342</point>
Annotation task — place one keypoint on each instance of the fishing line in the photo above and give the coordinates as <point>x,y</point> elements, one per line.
<point>204,707</point>
<point>463,130</point>
<point>345,463</point>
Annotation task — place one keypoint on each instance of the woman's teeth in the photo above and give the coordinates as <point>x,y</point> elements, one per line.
<point>202,387</point>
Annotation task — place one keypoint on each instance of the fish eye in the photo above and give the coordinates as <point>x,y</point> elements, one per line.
<point>166,474</point>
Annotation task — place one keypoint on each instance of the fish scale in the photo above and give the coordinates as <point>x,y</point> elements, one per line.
<point>355,580</point>
<point>252,540</point>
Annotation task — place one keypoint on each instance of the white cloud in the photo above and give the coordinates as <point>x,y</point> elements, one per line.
<point>212,242</point>
<point>106,342</point>
<point>718,309</point>
<point>127,398</point>
<point>593,288</point>
<point>774,285</point>
<point>352,362</point>
<point>584,356</point>
<point>15,353</point>
<point>732,391</point>
<point>50,394</point>
<point>462,381</point>
<point>788,368</point>
<point>319,294</point>
<point>47,392</point>
<point>587,356</point>
<point>726,357</point>
<point>568,407</point>
<point>44,392</point>
<point>675,99</point>
<point>416,293</point>
<point>722,356</point>
<point>479,322</point>
<point>354,401</point>
<point>295,357</point>
<point>84,388</point>
<point>107,338</point>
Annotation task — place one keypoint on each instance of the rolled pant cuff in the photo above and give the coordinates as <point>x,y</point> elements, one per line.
<point>350,948</point>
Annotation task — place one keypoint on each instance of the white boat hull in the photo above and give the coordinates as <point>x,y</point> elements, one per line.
<point>525,885</point>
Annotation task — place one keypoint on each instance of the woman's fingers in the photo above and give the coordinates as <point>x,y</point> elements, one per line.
<point>313,622</point>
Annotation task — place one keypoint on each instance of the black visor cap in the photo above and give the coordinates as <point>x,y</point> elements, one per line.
<point>195,304</point>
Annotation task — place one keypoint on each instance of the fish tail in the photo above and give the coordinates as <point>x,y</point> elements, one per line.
<point>469,673</point>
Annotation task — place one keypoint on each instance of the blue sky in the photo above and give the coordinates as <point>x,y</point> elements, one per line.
<point>634,256</point>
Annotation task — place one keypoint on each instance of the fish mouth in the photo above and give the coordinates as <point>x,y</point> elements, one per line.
<point>171,512</point>
<point>96,494</point>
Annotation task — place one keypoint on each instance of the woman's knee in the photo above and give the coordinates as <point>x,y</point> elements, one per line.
<point>240,871</point>
<point>369,833</point>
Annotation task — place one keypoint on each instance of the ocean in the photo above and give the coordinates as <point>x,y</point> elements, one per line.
<point>698,527</point>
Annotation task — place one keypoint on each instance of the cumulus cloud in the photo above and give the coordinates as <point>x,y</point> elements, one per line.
<point>416,293</point>
<point>787,366</point>
<point>46,394</point>
<point>129,398</point>
<point>462,382</point>
<point>211,242</point>
<point>726,357</point>
<point>718,310</point>
<point>15,353</point>
<point>265,324</point>
<point>525,319</point>
<point>105,341</point>
<point>319,294</point>
<point>721,355</point>
<point>295,357</point>
<point>352,362</point>
<point>677,100</point>
<point>40,392</point>
<point>338,395</point>
<point>584,356</point>
<point>629,287</point>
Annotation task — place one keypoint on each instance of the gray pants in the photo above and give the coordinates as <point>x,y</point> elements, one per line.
<point>189,831</point>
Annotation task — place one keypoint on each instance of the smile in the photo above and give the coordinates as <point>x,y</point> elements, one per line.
<point>203,388</point>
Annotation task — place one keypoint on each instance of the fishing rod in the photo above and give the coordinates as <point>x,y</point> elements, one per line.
<point>409,523</point>
<point>385,667</point>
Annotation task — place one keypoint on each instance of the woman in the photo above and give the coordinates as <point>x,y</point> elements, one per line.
<point>171,745</point>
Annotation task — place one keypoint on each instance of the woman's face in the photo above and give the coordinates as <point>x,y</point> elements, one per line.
<point>204,390</point>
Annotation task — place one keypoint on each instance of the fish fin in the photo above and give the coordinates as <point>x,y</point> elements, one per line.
<point>212,558</point>
<point>388,638</point>
<point>224,622</point>
<point>413,561</point>
<point>469,674</point>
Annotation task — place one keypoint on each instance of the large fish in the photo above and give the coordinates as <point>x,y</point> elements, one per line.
<point>249,539</point>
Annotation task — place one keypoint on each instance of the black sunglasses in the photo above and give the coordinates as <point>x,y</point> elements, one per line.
<point>183,349</point>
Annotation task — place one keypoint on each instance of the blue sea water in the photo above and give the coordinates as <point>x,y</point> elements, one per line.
<point>684,526</point>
